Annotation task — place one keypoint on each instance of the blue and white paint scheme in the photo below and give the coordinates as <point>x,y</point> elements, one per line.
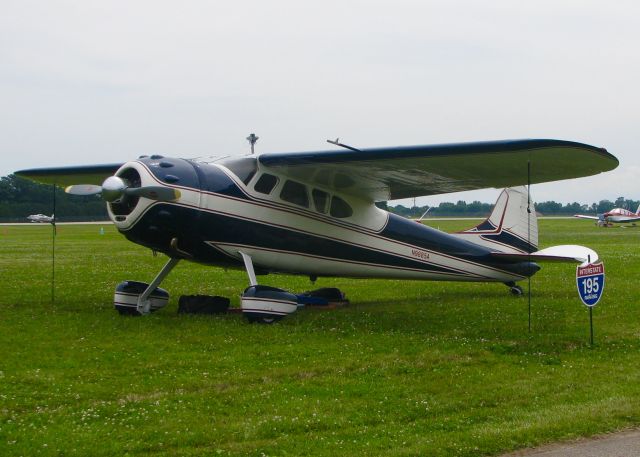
<point>314,213</point>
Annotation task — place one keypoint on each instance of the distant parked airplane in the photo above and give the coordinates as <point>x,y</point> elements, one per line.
<point>616,215</point>
<point>40,218</point>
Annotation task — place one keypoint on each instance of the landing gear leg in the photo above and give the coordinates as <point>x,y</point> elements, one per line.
<point>248,265</point>
<point>514,288</point>
<point>144,304</point>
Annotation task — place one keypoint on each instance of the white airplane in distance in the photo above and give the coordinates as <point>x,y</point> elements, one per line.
<point>314,214</point>
<point>41,218</point>
<point>616,215</point>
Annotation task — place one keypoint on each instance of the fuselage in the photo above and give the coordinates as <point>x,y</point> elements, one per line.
<point>292,227</point>
<point>620,215</point>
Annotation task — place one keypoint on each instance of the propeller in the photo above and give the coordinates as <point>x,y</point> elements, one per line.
<point>114,188</point>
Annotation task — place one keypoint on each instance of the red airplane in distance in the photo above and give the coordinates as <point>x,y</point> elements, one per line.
<point>616,215</point>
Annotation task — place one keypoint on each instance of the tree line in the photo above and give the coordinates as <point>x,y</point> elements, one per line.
<point>478,209</point>
<point>21,197</point>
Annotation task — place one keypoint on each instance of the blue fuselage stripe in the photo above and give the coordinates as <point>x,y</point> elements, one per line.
<point>199,229</point>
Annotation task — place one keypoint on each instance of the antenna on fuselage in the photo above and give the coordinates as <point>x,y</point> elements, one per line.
<point>252,139</point>
<point>337,143</point>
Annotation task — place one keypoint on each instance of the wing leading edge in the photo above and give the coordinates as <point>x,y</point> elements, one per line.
<point>412,171</point>
<point>66,176</point>
<point>584,216</point>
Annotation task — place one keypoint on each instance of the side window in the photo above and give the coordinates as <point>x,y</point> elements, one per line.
<point>296,193</point>
<point>320,200</point>
<point>265,183</point>
<point>340,208</point>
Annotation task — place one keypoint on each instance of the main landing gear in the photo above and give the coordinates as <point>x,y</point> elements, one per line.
<point>264,304</point>
<point>139,298</point>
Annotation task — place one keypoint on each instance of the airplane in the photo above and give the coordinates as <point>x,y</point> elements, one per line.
<point>40,218</point>
<point>616,215</point>
<point>314,214</point>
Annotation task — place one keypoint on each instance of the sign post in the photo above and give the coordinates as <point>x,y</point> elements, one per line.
<point>590,282</point>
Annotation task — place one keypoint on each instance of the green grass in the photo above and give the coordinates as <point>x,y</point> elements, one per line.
<point>409,368</point>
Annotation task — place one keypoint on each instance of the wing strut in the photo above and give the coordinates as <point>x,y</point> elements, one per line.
<point>248,264</point>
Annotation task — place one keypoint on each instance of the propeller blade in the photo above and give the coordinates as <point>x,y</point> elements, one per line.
<point>114,188</point>
<point>83,189</point>
<point>159,193</point>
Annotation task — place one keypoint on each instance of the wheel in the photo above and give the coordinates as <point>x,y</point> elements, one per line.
<point>516,290</point>
<point>260,318</point>
<point>127,293</point>
<point>266,305</point>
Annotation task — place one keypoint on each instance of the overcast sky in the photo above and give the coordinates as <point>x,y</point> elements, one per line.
<point>85,82</point>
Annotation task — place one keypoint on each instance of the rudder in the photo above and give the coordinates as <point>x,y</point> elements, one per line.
<point>510,227</point>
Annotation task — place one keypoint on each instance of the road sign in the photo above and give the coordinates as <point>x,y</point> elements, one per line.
<point>590,282</point>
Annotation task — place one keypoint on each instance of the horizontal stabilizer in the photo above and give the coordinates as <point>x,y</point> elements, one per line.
<point>562,253</point>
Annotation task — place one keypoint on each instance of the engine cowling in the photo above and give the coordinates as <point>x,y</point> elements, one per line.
<point>152,218</point>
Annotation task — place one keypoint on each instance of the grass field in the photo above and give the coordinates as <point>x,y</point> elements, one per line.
<point>409,368</point>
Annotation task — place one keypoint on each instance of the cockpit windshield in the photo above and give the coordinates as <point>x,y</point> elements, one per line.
<point>244,168</point>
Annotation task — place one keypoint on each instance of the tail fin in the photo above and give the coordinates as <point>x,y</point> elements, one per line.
<point>638,211</point>
<point>510,227</point>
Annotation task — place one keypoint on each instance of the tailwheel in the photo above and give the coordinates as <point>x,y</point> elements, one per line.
<point>516,290</point>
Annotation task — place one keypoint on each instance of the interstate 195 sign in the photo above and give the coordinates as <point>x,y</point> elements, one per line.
<point>590,281</point>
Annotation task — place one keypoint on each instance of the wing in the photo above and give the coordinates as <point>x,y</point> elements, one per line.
<point>413,171</point>
<point>582,216</point>
<point>66,176</point>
